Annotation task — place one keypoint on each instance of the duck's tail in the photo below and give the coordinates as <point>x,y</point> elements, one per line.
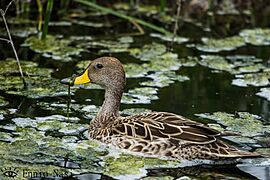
<point>221,150</point>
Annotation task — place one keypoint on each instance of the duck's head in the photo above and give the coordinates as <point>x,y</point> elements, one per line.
<point>107,72</point>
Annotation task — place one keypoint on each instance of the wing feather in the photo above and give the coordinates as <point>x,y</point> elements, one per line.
<point>174,128</point>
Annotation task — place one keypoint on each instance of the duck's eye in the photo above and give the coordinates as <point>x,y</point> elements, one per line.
<point>99,66</point>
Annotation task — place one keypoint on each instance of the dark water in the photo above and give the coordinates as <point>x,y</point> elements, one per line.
<point>204,92</point>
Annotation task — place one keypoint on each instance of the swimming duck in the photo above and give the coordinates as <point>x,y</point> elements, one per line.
<point>161,134</point>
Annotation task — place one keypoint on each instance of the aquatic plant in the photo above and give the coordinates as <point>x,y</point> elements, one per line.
<point>51,46</point>
<point>257,36</point>
<point>217,45</point>
<point>47,19</point>
<point>247,124</point>
<point>9,40</point>
<point>121,15</point>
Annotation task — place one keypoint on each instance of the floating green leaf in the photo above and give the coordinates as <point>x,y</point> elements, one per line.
<point>247,124</point>
<point>163,79</point>
<point>170,38</point>
<point>118,166</point>
<point>265,93</point>
<point>3,102</point>
<point>149,52</point>
<point>232,64</point>
<point>216,63</point>
<point>257,36</point>
<point>57,49</point>
<point>141,95</point>
<point>254,79</point>
<point>217,45</point>
<point>39,86</point>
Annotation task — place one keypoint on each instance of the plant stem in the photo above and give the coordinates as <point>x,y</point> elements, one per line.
<point>63,7</point>
<point>162,6</point>
<point>4,39</point>
<point>176,27</point>
<point>47,18</point>
<point>130,18</point>
<point>12,44</point>
<point>40,11</point>
<point>68,102</point>
<point>4,12</point>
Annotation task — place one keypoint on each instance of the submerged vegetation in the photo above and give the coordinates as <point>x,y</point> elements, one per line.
<point>207,60</point>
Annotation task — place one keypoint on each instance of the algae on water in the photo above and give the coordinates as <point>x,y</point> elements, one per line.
<point>39,81</point>
<point>57,49</point>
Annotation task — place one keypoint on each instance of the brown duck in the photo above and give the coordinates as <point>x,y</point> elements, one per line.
<point>161,134</point>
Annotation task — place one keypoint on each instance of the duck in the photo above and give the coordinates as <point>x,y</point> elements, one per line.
<point>160,134</point>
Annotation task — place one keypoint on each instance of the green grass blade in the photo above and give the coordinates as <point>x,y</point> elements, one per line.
<point>47,18</point>
<point>130,18</point>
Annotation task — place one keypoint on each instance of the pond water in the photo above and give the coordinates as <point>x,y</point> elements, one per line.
<point>215,75</point>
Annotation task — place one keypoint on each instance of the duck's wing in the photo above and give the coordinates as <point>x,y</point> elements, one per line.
<point>172,127</point>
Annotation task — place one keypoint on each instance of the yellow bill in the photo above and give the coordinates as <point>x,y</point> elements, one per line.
<point>82,79</point>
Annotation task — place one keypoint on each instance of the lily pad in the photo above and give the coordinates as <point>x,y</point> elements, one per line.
<point>252,79</point>
<point>233,64</point>
<point>56,108</point>
<point>4,136</point>
<point>21,32</point>
<point>3,102</point>
<point>57,49</point>
<point>257,36</point>
<point>163,79</point>
<point>265,93</point>
<point>121,45</point>
<point>61,127</point>
<point>89,24</point>
<point>189,61</point>
<point>133,111</point>
<point>264,152</point>
<point>217,45</point>
<point>142,8</point>
<point>136,70</point>
<point>170,38</point>
<point>39,81</point>
<point>52,123</point>
<point>248,125</point>
<point>148,52</point>
<point>126,39</point>
<point>38,87</point>
<point>87,111</point>
<point>10,66</point>
<point>163,63</point>
<point>4,112</point>
<point>141,95</point>
<point>166,62</point>
<point>216,62</point>
<point>118,166</point>
<point>243,60</point>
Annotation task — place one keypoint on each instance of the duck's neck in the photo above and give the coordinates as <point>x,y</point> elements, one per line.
<point>110,107</point>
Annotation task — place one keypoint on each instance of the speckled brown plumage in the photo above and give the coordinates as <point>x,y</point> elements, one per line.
<point>153,133</point>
